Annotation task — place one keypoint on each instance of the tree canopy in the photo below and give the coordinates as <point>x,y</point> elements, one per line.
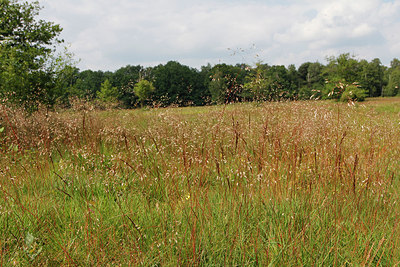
<point>27,66</point>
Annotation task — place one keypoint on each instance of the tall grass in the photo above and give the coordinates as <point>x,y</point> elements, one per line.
<point>301,183</point>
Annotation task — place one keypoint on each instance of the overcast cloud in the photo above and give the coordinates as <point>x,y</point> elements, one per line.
<point>107,34</point>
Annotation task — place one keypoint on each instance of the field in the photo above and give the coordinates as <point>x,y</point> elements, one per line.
<point>280,184</point>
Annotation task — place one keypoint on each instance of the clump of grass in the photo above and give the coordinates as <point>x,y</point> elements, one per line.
<point>301,183</point>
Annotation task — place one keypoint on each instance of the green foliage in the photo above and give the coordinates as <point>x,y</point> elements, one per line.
<point>353,93</point>
<point>271,83</point>
<point>26,77</point>
<point>124,79</point>
<point>143,90</point>
<point>393,86</point>
<point>371,77</point>
<point>178,84</point>
<point>311,80</point>
<point>218,87</point>
<point>279,86</point>
<point>254,88</point>
<point>344,67</point>
<point>340,90</point>
<point>107,93</point>
<point>87,84</point>
<point>226,83</point>
<point>333,88</point>
<point>393,74</point>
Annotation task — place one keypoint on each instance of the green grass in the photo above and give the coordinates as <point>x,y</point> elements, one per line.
<point>280,184</point>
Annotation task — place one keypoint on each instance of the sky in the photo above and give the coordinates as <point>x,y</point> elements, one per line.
<point>107,35</point>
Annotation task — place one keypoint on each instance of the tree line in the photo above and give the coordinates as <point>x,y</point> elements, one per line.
<point>31,74</point>
<point>343,77</point>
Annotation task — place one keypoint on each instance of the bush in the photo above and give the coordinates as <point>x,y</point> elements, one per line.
<point>353,93</point>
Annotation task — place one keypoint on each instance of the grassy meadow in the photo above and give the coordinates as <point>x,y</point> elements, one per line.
<point>280,184</point>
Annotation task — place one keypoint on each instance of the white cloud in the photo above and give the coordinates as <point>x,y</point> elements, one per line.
<point>111,34</point>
